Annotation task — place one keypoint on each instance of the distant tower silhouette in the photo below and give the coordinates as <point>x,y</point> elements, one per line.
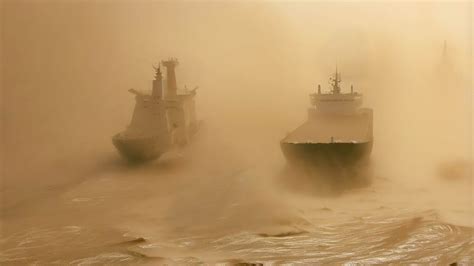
<point>445,66</point>
<point>445,60</point>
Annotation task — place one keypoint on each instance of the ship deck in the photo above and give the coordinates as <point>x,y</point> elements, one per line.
<point>333,129</point>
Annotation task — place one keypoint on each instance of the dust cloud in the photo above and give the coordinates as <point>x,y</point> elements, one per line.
<point>67,68</point>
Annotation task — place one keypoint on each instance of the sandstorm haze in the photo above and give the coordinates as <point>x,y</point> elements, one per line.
<point>67,67</point>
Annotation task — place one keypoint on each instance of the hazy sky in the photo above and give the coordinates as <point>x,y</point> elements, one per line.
<point>67,66</point>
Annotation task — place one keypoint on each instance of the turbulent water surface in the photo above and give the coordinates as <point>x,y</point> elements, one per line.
<point>68,198</point>
<point>187,209</point>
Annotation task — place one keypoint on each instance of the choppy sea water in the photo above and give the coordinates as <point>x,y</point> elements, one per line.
<point>209,209</point>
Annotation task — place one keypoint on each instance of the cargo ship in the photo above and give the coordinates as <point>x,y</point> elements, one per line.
<point>337,134</point>
<point>161,120</point>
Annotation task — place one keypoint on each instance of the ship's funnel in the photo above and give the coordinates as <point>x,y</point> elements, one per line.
<point>157,88</point>
<point>171,87</point>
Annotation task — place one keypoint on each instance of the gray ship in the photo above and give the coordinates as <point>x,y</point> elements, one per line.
<point>162,119</point>
<point>337,134</point>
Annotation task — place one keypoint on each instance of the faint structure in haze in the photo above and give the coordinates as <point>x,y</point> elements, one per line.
<point>161,120</point>
<point>337,134</point>
<point>445,70</point>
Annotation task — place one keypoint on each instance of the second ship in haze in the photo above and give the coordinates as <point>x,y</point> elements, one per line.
<point>337,135</point>
<point>162,119</point>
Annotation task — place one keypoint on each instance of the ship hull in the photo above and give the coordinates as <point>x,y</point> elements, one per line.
<point>327,155</point>
<point>139,149</point>
<point>330,141</point>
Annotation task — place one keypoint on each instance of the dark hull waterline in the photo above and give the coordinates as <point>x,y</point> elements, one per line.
<point>139,149</point>
<point>327,155</point>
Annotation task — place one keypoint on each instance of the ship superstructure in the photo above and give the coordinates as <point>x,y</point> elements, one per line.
<point>338,132</point>
<point>161,119</point>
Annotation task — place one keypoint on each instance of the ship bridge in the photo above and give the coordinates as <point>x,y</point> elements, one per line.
<point>335,101</point>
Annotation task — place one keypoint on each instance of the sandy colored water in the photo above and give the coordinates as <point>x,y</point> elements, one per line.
<point>186,209</point>
<point>68,198</point>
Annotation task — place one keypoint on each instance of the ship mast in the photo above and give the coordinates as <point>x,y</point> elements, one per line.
<point>157,87</point>
<point>334,81</point>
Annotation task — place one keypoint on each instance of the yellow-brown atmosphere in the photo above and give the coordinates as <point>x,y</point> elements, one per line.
<point>68,197</point>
